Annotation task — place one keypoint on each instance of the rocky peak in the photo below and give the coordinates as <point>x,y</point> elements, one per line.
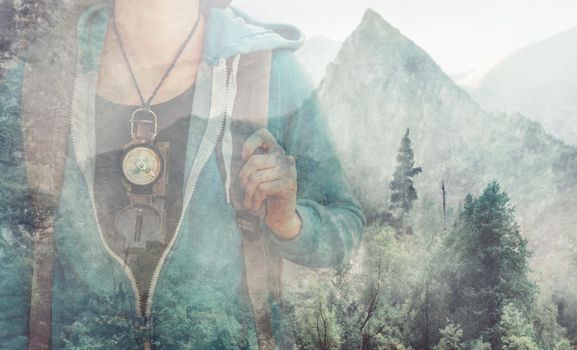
<point>373,22</point>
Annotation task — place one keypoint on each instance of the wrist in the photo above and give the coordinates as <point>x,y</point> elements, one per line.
<point>286,227</point>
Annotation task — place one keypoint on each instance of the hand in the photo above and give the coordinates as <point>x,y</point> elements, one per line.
<point>270,178</point>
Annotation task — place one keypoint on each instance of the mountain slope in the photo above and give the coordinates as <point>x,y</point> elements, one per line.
<point>316,54</point>
<point>539,81</point>
<point>382,83</point>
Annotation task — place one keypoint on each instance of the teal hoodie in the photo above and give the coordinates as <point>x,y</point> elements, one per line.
<point>196,300</point>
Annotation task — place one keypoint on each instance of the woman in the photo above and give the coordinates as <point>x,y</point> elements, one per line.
<point>198,160</point>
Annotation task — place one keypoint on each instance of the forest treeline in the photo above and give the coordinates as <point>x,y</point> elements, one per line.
<point>428,278</point>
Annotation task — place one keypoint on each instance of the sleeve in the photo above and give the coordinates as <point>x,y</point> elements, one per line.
<point>15,241</point>
<point>332,220</point>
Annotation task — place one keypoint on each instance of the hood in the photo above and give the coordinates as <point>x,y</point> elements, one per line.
<point>228,32</point>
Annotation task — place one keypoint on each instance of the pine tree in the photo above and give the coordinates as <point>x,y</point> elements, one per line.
<point>492,260</point>
<point>403,192</point>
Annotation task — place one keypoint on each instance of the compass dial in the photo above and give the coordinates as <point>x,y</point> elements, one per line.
<point>142,165</point>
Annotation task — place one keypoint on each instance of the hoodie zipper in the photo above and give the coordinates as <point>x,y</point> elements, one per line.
<point>126,269</point>
<point>144,315</point>
<point>163,257</point>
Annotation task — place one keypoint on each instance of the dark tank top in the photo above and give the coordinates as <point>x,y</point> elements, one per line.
<point>112,133</point>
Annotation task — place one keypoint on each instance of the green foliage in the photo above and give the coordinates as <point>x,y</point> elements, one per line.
<point>548,333</point>
<point>451,338</point>
<point>478,344</point>
<point>565,303</point>
<point>563,344</point>
<point>464,288</point>
<point>388,281</point>
<point>366,307</point>
<point>517,332</point>
<point>318,327</point>
<point>490,268</point>
<point>428,297</point>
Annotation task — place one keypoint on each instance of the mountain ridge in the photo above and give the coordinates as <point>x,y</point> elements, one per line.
<point>382,83</point>
<point>316,54</point>
<point>539,81</point>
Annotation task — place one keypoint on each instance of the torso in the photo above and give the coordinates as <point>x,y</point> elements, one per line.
<point>117,99</point>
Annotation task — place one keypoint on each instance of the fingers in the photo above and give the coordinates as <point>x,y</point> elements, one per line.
<point>258,178</point>
<point>261,138</point>
<point>267,174</point>
<point>268,189</point>
<point>283,174</point>
<point>256,163</point>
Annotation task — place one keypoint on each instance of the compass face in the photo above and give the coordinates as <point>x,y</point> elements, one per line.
<point>139,225</point>
<point>141,165</point>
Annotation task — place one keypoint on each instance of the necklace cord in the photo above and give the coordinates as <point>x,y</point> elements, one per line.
<point>146,103</point>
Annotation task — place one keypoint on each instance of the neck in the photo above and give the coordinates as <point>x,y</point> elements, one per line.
<point>153,29</point>
<point>152,32</point>
<point>155,13</point>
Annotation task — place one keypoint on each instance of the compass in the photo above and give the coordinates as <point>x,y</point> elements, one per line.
<point>142,165</point>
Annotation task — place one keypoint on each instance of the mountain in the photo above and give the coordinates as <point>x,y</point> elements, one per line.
<point>382,83</point>
<point>316,54</point>
<point>472,79</point>
<point>539,81</point>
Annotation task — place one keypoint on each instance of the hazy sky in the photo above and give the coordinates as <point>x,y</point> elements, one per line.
<point>461,35</point>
